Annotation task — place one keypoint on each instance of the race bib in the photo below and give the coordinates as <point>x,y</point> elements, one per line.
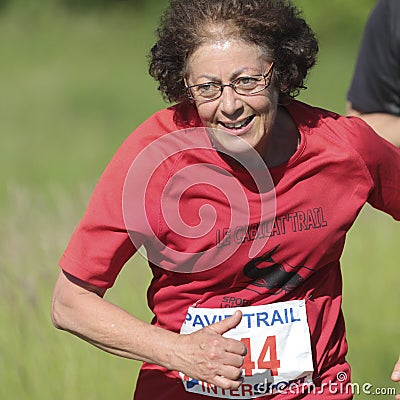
<point>278,345</point>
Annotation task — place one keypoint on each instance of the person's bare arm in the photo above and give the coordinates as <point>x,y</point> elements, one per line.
<point>79,308</point>
<point>396,375</point>
<point>386,125</point>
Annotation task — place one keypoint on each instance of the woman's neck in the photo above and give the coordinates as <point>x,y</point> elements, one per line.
<point>283,140</point>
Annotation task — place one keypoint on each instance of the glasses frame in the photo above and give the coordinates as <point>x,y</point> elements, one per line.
<point>267,74</point>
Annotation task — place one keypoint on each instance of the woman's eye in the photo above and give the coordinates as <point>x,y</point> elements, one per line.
<point>247,81</point>
<point>206,87</point>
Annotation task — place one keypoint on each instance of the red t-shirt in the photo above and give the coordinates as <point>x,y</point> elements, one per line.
<point>339,165</point>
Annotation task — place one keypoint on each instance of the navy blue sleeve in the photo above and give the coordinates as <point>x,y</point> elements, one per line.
<point>375,86</point>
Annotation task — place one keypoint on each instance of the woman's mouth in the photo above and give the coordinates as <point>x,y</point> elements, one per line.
<point>237,127</point>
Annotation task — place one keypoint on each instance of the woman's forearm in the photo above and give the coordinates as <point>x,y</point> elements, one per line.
<point>205,354</point>
<point>87,315</point>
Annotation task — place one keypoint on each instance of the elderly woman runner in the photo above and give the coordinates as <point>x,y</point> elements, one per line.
<point>251,307</point>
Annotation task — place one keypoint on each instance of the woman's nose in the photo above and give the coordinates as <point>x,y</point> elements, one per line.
<point>229,100</point>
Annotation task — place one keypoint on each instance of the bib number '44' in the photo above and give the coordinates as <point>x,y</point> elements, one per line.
<point>272,364</point>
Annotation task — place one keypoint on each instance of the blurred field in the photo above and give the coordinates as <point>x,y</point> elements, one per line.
<point>73,86</point>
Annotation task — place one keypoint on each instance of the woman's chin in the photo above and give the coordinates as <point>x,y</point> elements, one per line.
<point>227,142</point>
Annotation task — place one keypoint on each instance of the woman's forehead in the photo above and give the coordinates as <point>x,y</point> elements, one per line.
<point>226,54</point>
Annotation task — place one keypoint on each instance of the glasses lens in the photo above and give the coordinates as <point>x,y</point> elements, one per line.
<point>249,84</point>
<point>206,91</point>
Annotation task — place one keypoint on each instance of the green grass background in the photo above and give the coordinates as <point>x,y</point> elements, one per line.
<point>73,85</point>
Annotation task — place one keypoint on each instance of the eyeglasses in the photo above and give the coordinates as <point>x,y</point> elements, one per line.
<point>244,85</point>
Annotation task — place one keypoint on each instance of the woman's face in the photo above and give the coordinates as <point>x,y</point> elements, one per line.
<point>250,118</point>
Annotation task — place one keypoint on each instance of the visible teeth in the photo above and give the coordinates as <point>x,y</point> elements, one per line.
<point>238,124</point>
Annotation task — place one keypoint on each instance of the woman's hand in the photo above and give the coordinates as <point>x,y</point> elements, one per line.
<point>208,356</point>
<point>396,375</point>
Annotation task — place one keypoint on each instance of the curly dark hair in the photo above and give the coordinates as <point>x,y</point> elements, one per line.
<point>274,25</point>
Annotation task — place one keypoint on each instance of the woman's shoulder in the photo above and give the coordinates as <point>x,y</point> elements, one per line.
<point>178,116</point>
<point>318,121</point>
<point>161,123</point>
<point>349,135</point>
<point>152,135</point>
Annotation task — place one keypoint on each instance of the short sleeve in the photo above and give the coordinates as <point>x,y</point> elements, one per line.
<point>100,245</point>
<point>382,163</point>
<point>375,85</point>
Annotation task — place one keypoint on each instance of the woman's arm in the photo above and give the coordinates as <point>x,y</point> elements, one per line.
<point>206,355</point>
